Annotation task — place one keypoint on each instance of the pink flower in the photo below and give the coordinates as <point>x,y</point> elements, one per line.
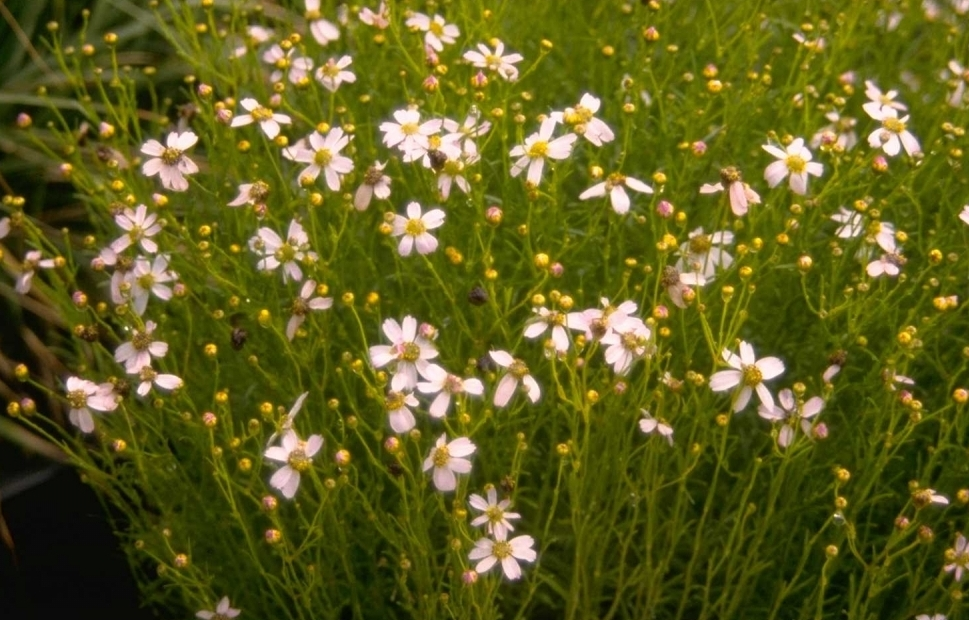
<point>448,459</point>
<point>413,229</point>
<point>517,374</point>
<point>169,162</point>
<point>794,161</point>
<point>748,374</point>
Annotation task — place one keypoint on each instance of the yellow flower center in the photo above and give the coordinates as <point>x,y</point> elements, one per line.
<point>441,456</point>
<point>501,549</point>
<point>538,150</point>
<point>518,369</point>
<point>415,227</point>
<point>409,129</point>
<point>323,157</point>
<point>630,341</point>
<point>77,399</point>
<point>147,373</point>
<point>258,191</point>
<point>171,156</point>
<point>330,70</point>
<point>615,179</point>
<point>394,401</point>
<point>700,244</point>
<point>141,341</point>
<point>795,163</point>
<point>495,514</point>
<point>729,175</point>
<point>453,167</point>
<point>409,352</point>
<point>282,63</point>
<point>893,125</point>
<point>298,459</point>
<point>312,15</point>
<point>752,375</point>
<point>436,28</point>
<point>146,281</point>
<point>285,253</point>
<point>299,307</point>
<point>261,114</point>
<point>373,175</point>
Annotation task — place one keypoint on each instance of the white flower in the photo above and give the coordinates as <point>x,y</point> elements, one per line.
<point>412,229</point>
<point>409,350</point>
<point>140,227</point>
<point>452,173</point>
<point>649,425</point>
<point>702,255</point>
<point>537,148</point>
<point>961,76</point>
<point>925,497</point>
<point>841,130</point>
<point>251,193</point>
<point>375,183</point>
<point>170,162</point>
<point>879,100</point>
<point>323,155</point>
<point>582,120</point>
<point>852,223</point>
<point>322,30</point>
<point>4,227</point>
<point>84,395</point>
<point>150,278</point>
<point>398,406</point>
<point>298,456</point>
<point>596,322</point>
<point>303,304</point>
<point>495,61</point>
<point>892,136</point>
<point>882,233</point>
<point>738,192</point>
<point>544,320</point>
<point>791,413</point>
<point>438,32</point>
<point>445,385</point>
<point>287,422</point>
<point>960,558</point>
<point>295,68</point>
<point>517,373</point>
<point>408,133</point>
<point>794,161</point>
<point>32,262</point>
<point>494,514</point>
<point>274,251</point>
<point>255,35</point>
<point>964,215</point>
<point>679,286</point>
<point>626,344</point>
<point>268,120</point>
<point>748,373</point>
<point>148,376</point>
<point>490,552</point>
<point>334,73</point>
<point>613,186</point>
<point>463,134</point>
<point>223,611</point>
<point>887,264</point>
<point>138,352</point>
<point>380,19</point>
<point>447,459</point>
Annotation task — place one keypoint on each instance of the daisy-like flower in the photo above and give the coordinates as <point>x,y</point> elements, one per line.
<point>148,376</point>
<point>509,384</point>
<point>137,352</point>
<point>334,73</point>
<point>323,155</point>
<point>738,192</point>
<point>268,120</point>
<point>537,148</point>
<point>964,215</point>
<point>448,458</point>
<point>489,552</point>
<point>140,227</point>
<point>852,223</point>
<point>582,120</point>
<point>614,186</point>
<point>878,100</point>
<point>413,228</point>
<point>251,194</point>
<point>679,285</point>
<point>888,264</point>
<point>840,133</point>
<point>791,413</point>
<point>928,497</point>
<point>959,554</point>
<point>464,134</point>
<point>892,136</point>
<point>379,20</point>
<point>409,351</point>
<point>626,344</point>
<point>255,36</point>
<point>494,514</point>
<point>702,254</point>
<point>398,406</point>
<point>649,425</point>
<point>304,304</point>
<point>445,385</point>
<point>298,457</point>
<point>495,61</point>
<point>794,161</point>
<point>32,262</point>
<point>960,76</point>
<point>597,322</point>
<point>295,68</point>
<point>543,321</point>
<point>274,251</point>
<point>437,31</point>
<point>150,278</point>
<point>323,31</point>
<point>453,173</point>
<point>747,374</point>
<point>375,183</point>
<point>169,162</point>
<point>83,396</point>
<point>882,233</point>
<point>223,611</point>
<point>286,424</point>
<point>409,133</point>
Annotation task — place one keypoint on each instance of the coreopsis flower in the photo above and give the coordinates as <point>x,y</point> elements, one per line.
<point>255,36</point>
<point>702,254</point>
<point>295,68</point>
<point>286,424</point>
<point>747,374</point>
<point>494,514</point>
<point>447,459</point>
<point>409,133</point>
<point>169,162</point>
<point>888,264</point>
<point>791,413</point>
<point>959,553</point>
<point>964,215</point>
<point>738,193</point>
<point>437,31</point>
<point>32,262</point>
<point>274,251</point>
<point>298,458</point>
<point>852,223</point>
<point>841,128</point>
<point>138,351</point>
<point>626,344</point>
<point>878,100</point>
<point>324,31</point>
<point>375,183</point>
<point>537,148</point>
<point>517,374</point>
<point>453,173</point>
<point>223,611</point>
<point>334,73</point>
<point>251,194</point>
<point>148,376</point>
<point>489,552</point>
<point>795,161</point>
<point>495,61</point>
<point>597,322</point>
<point>150,278</point>
<point>882,233</point>
<point>322,155</point>
<point>83,396</point>
<point>892,136</point>
<point>398,406</point>
<point>379,20</point>
<point>649,425</point>
<point>303,304</point>
<point>268,120</point>
<point>545,320</point>
<point>582,120</point>
<point>140,227</point>
<point>614,186</point>
<point>928,497</point>
<point>409,351</point>
<point>960,76</point>
<point>413,228</point>
<point>445,385</point>
<point>679,285</point>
